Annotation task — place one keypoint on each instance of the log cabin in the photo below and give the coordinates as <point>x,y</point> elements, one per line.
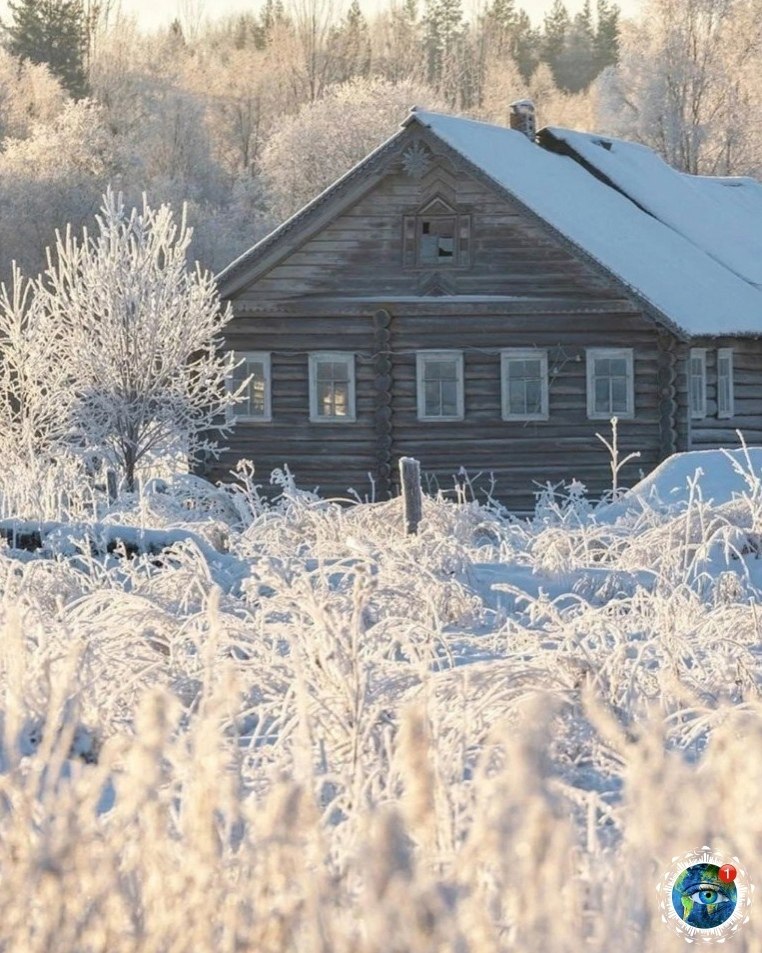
<point>487,297</point>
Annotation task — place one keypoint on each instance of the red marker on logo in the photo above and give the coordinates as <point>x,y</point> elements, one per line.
<point>728,873</point>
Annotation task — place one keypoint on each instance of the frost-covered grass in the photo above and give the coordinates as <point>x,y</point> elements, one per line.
<point>491,736</point>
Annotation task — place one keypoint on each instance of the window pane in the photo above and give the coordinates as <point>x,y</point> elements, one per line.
<point>446,247</point>
<point>516,397</point>
<point>533,397</point>
<point>257,389</point>
<point>332,371</point>
<point>341,399</point>
<point>602,405</point>
<point>436,240</point>
<point>254,396</point>
<point>324,398</point>
<point>441,370</point>
<point>429,248</point>
<point>618,367</point>
<point>449,399</point>
<point>618,395</point>
<point>602,367</point>
<point>431,399</point>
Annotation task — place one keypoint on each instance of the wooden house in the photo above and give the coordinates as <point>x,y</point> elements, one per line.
<point>477,296</point>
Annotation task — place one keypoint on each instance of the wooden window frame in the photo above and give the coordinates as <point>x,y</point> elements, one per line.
<point>333,357</point>
<point>436,208</point>
<point>697,353</point>
<point>725,353</point>
<point>263,357</point>
<point>421,357</point>
<point>610,353</point>
<point>507,355</point>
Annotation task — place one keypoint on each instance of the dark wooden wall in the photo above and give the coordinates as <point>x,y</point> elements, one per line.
<point>712,431</point>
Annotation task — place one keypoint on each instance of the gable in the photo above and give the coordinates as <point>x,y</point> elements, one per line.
<point>370,247</point>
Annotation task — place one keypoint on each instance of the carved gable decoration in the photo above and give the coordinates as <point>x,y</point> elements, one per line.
<point>416,160</point>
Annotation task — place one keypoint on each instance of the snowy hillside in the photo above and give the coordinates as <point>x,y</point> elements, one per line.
<point>303,730</point>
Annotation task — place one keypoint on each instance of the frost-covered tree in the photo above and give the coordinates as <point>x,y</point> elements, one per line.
<point>141,334</point>
<point>53,32</point>
<point>687,84</point>
<point>52,177</point>
<point>34,389</point>
<point>327,138</point>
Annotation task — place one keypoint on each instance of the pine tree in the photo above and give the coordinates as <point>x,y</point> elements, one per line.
<point>52,32</point>
<point>351,47</point>
<point>555,27</point>
<point>606,41</point>
<point>525,48</point>
<point>444,31</point>
<point>499,25</point>
<point>575,66</point>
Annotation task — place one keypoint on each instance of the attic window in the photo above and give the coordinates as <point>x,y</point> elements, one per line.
<point>437,236</point>
<point>437,241</point>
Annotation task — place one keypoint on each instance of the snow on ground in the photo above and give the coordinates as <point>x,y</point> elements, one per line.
<point>715,476</point>
<point>490,736</point>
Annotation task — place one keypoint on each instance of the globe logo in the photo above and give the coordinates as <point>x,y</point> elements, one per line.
<point>703,897</point>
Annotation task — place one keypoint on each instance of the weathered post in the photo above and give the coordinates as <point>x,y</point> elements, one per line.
<point>412,502</point>
<point>111,485</point>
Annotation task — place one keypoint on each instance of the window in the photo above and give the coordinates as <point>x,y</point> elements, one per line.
<point>524,379</point>
<point>440,385</point>
<point>332,387</point>
<point>610,389</point>
<point>725,397</point>
<point>255,365</point>
<point>697,382</point>
<point>436,236</point>
<point>436,241</point>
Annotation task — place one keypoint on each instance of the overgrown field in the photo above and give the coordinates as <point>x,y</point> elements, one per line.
<point>335,738</point>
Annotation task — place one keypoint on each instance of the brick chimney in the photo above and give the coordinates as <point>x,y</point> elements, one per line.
<point>523,118</point>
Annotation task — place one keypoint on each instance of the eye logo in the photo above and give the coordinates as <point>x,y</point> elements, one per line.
<point>703,897</point>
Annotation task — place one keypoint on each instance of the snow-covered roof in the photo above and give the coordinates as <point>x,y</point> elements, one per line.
<point>721,216</point>
<point>686,278</point>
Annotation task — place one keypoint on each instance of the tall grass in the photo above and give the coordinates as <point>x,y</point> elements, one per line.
<point>355,750</point>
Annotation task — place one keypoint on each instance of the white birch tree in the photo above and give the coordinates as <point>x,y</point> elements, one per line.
<point>141,334</point>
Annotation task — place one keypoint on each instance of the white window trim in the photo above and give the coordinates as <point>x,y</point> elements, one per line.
<point>610,353</point>
<point>420,361</point>
<point>698,413</point>
<point>348,358</point>
<point>264,357</point>
<point>523,354</point>
<point>726,353</point>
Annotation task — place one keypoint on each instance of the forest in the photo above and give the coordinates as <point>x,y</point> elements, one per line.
<point>245,118</point>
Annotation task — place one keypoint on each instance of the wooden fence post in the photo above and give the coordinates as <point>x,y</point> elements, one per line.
<point>412,501</point>
<point>111,485</point>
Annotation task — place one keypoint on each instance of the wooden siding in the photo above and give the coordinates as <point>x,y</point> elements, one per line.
<point>521,453</point>
<point>338,456</point>
<point>712,431</point>
<point>331,456</point>
<point>361,252</point>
